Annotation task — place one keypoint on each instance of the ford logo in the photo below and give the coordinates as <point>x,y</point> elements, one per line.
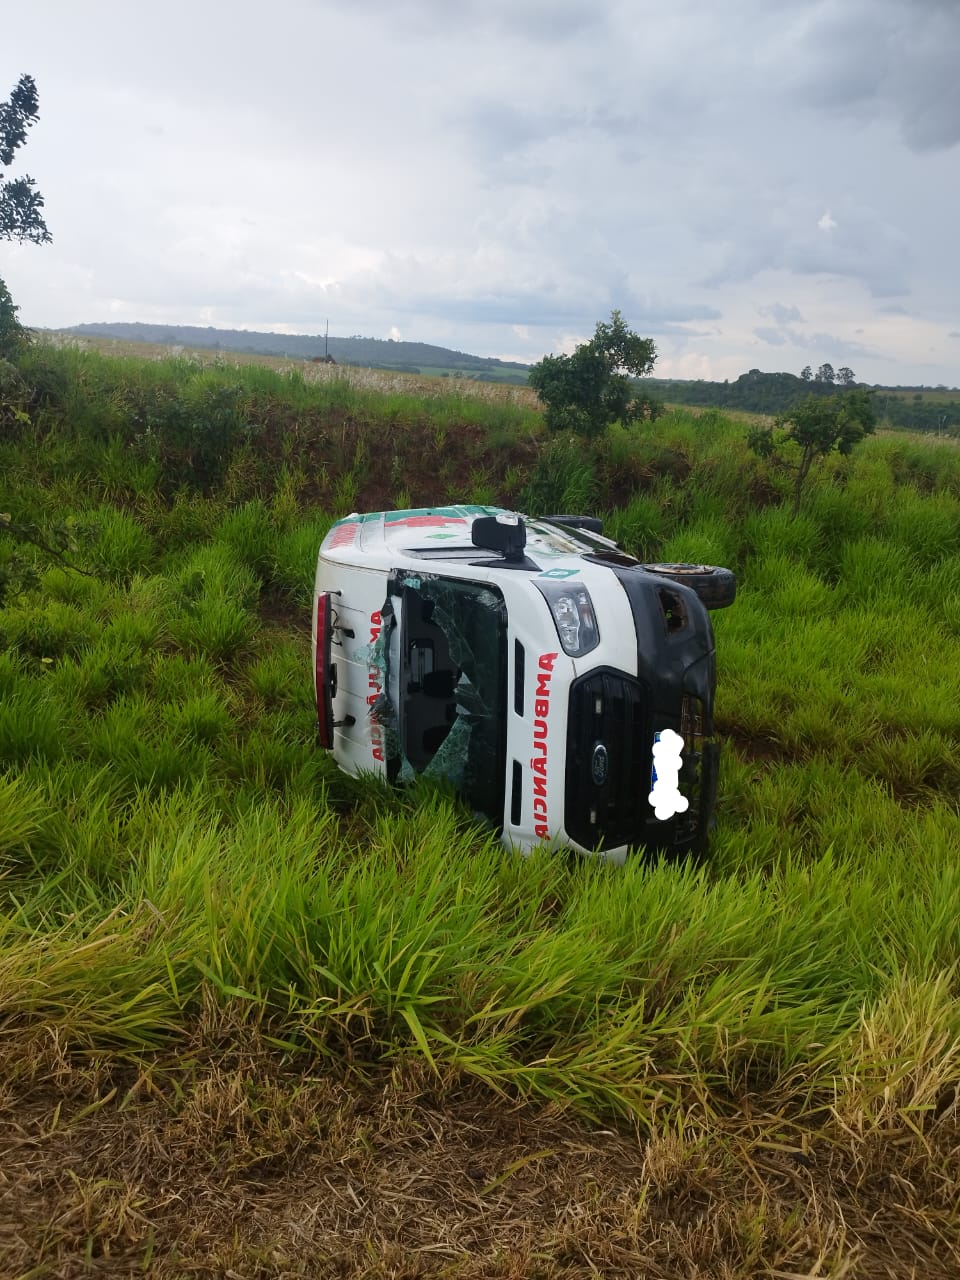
<point>600,765</point>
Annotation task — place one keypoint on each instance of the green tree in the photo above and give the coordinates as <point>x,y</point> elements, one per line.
<point>588,390</point>
<point>13,336</point>
<point>20,219</point>
<point>806,373</point>
<point>845,376</point>
<point>826,374</point>
<point>814,428</point>
<point>20,202</point>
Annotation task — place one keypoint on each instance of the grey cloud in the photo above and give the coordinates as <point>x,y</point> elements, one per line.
<point>954,333</point>
<point>683,332</point>
<point>894,57</point>
<point>499,131</point>
<point>828,345</point>
<point>544,307</point>
<point>775,337</point>
<point>834,348</point>
<point>547,20</point>
<point>648,312</point>
<point>550,21</point>
<point>781,314</point>
<point>860,245</point>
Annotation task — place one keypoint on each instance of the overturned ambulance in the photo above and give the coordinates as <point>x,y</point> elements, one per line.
<point>563,688</point>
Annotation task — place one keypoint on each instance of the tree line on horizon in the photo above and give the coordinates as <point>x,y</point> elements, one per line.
<point>779,393</point>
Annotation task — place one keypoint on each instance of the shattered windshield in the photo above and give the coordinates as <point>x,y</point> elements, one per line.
<point>451,687</point>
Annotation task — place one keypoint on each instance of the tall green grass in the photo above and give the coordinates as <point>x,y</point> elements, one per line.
<point>171,838</point>
<point>633,989</point>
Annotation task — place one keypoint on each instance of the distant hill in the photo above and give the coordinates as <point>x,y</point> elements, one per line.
<point>369,353</point>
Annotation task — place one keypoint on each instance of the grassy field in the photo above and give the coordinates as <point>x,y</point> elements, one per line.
<point>932,395</point>
<point>430,383</point>
<point>259,1019</point>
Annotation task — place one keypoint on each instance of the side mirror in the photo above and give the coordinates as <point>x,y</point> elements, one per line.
<point>504,533</point>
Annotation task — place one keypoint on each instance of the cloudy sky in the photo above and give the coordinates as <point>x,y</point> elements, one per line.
<point>753,183</point>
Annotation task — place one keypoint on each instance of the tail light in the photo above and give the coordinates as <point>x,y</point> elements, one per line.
<point>325,672</point>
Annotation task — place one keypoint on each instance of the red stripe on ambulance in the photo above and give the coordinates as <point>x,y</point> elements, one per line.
<point>375,685</point>
<point>538,761</point>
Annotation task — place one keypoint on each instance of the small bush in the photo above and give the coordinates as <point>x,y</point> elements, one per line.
<point>295,558</point>
<point>250,534</point>
<point>926,527</point>
<point>46,631</point>
<point>119,545</point>
<point>112,668</point>
<point>563,479</point>
<point>202,719</point>
<point>641,527</point>
<point>872,569</point>
<point>24,810</point>
<point>281,677</point>
<point>172,673</point>
<point>14,338</point>
<point>704,542</point>
<point>213,571</point>
<point>216,627</point>
<point>775,531</point>
<point>31,727</point>
<point>192,430</point>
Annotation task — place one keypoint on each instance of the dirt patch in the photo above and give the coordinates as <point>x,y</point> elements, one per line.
<point>234,1163</point>
<point>280,610</point>
<point>757,750</point>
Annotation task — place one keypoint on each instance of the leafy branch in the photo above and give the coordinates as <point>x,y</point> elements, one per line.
<point>58,542</point>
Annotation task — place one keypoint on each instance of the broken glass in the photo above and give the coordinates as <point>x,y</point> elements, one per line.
<point>444,682</point>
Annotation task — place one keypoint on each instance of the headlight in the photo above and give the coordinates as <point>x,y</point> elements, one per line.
<point>573,615</point>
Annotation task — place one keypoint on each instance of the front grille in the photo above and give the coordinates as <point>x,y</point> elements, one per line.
<point>608,760</point>
<point>610,766</point>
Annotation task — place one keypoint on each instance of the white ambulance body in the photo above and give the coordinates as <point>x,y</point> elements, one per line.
<point>565,690</point>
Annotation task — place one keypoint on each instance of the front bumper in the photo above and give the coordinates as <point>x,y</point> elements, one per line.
<point>612,727</point>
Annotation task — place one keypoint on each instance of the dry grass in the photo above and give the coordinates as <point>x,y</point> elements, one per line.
<point>229,1162</point>
<point>382,380</point>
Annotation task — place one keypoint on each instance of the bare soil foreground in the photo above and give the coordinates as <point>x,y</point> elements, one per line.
<point>232,1164</point>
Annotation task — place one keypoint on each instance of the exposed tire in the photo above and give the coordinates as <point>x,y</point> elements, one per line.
<point>716,587</point>
<point>592,524</point>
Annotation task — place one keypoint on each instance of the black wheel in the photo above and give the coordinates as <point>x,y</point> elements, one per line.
<point>592,524</point>
<point>716,587</point>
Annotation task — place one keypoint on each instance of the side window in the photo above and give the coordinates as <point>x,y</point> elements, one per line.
<point>452,686</point>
